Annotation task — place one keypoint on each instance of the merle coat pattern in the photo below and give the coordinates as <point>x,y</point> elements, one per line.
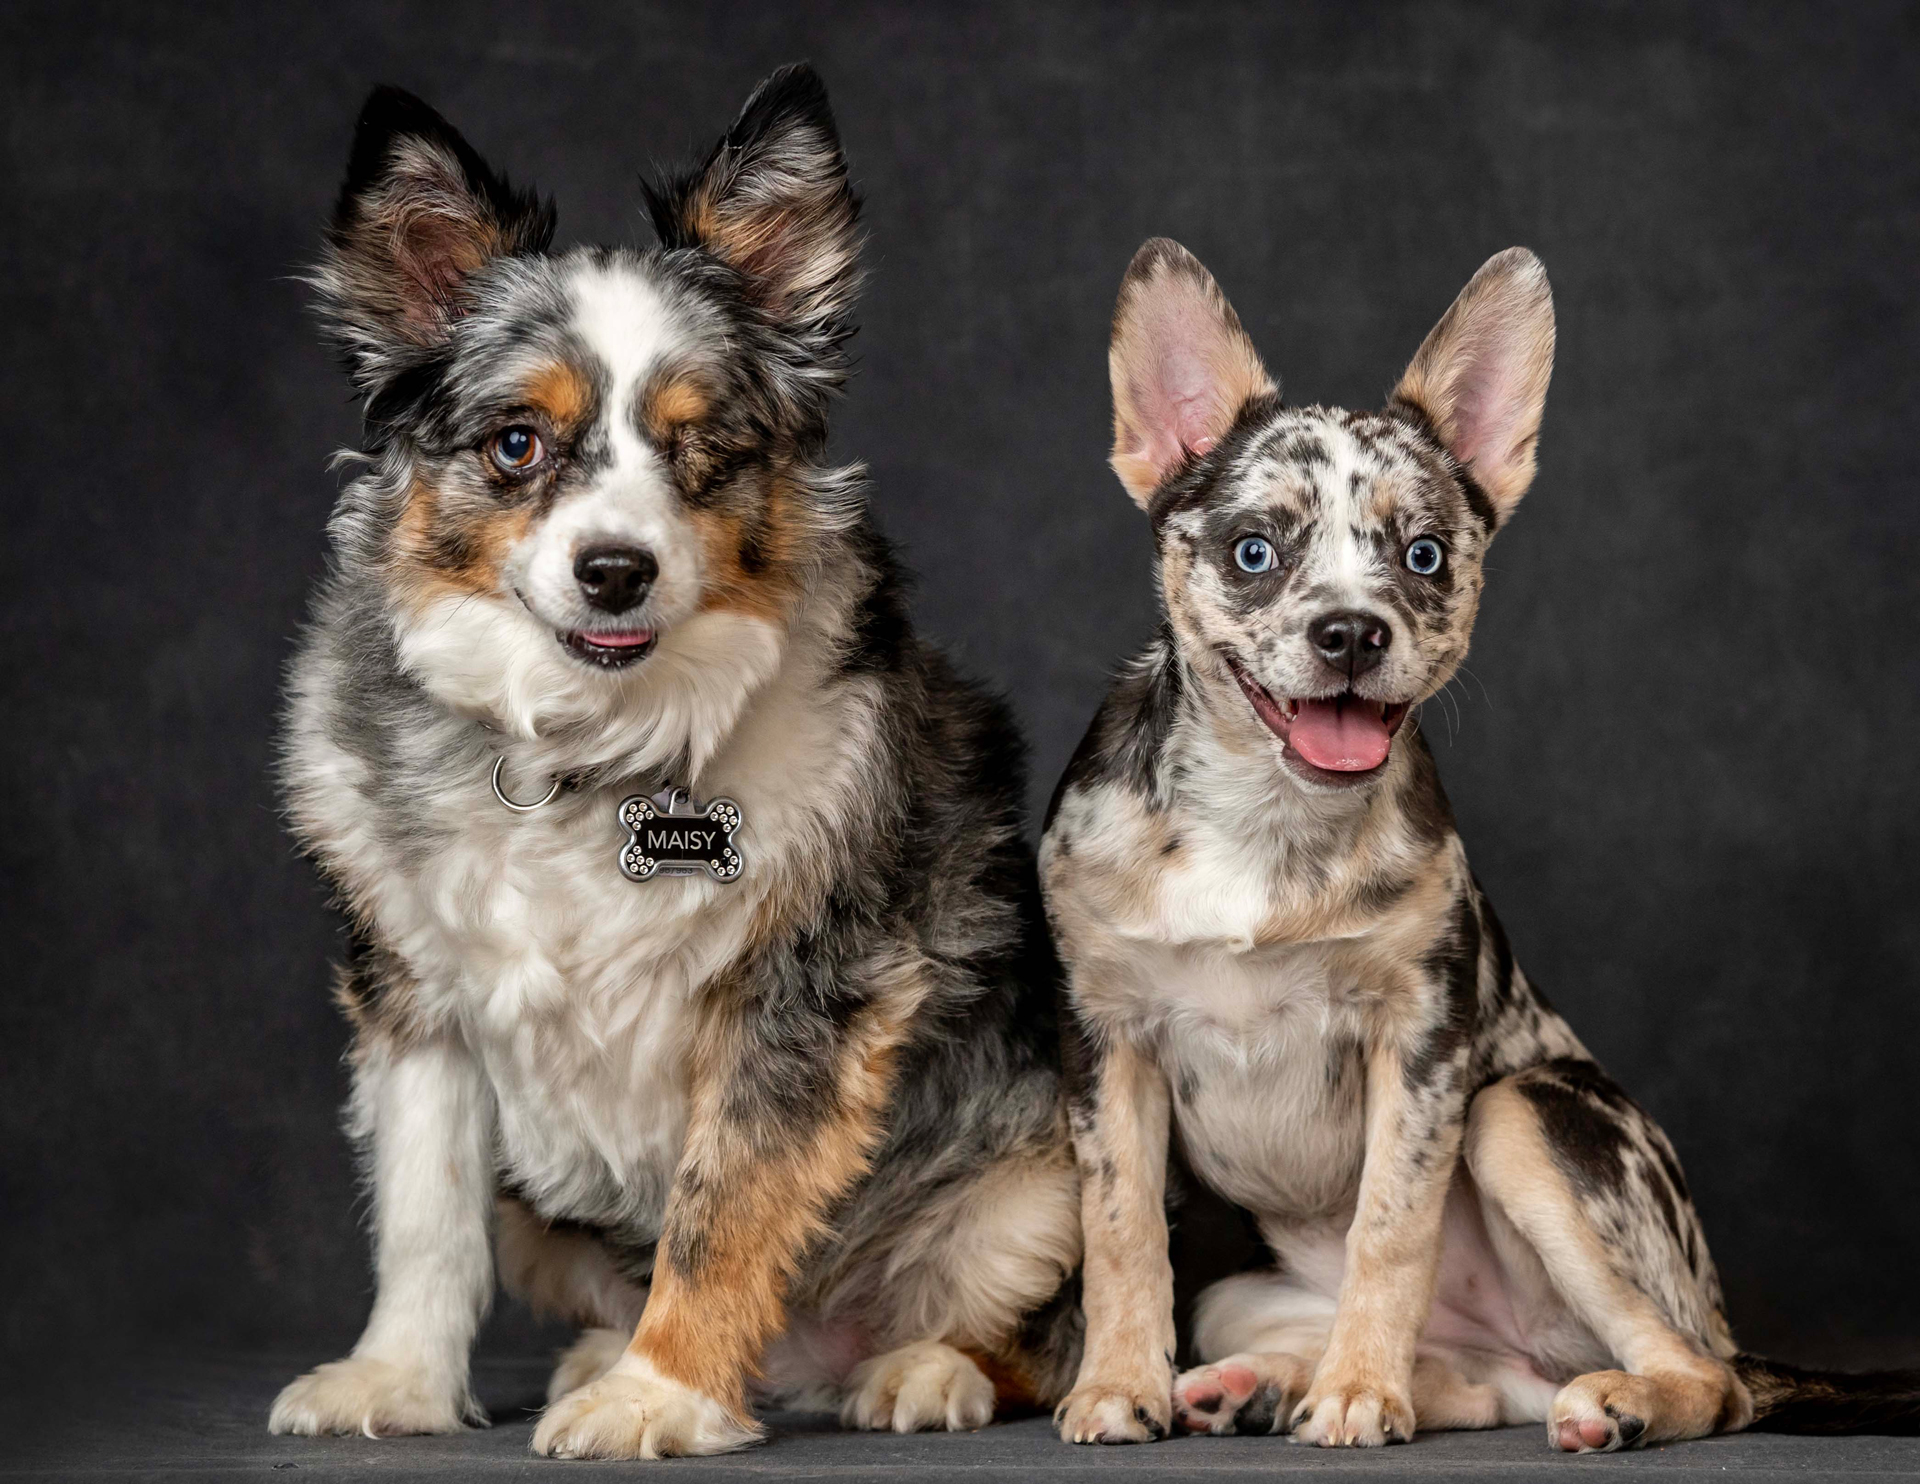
<point>1277,953</point>
<point>801,1129</point>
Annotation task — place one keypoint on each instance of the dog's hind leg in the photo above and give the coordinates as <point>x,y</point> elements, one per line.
<point>1262,1337</point>
<point>989,1278</point>
<point>567,1272</point>
<point>1591,1185</point>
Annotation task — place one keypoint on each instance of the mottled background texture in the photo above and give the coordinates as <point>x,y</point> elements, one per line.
<point>1684,755</point>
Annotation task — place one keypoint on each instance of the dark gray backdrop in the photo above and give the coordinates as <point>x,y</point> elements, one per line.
<point>1684,756</point>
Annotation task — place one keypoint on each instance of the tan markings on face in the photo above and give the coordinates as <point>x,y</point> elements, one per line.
<point>1390,490</point>
<point>562,393</point>
<point>1184,602</point>
<point>671,403</point>
<point>751,553</point>
<point>438,551</point>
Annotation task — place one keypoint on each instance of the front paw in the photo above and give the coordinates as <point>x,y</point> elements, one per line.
<point>1353,1411</point>
<point>635,1412</point>
<point>1116,1411</point>
<point>374,1397</point>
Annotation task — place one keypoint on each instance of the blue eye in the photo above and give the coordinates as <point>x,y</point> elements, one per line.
<point>1423,556</point>
<point>1253,554</point>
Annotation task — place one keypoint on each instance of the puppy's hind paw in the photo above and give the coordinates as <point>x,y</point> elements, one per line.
<point>919,1386</point>
<point>375,1398</point>
<point>1248,1394</point>
<point>1600,1412</point>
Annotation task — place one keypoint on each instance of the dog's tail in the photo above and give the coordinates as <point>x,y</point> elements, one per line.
<point>1788,1399</point>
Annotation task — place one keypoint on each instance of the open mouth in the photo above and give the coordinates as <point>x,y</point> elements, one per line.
<point>1339,740</point>
<point>614,650</point>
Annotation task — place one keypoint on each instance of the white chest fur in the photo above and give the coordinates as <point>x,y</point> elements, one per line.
<point>1260,1050</point>
<point>1260,1040</point>
<point>574,987</point>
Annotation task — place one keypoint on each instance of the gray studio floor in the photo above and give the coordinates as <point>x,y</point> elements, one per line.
<point>193,1418</point>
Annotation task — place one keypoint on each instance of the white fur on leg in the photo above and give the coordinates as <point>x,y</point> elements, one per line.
<point>427,1118</point>
<point>919,1386</point>
<point>635,1412</point>
<point>588,1358</point>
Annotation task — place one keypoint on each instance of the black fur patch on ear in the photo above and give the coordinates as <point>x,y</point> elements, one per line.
<point>418,215</point>
<point>773,203</point>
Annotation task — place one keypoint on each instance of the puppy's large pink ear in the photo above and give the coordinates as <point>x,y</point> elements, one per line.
<point>1480,378</point>
<point>1182,367</point>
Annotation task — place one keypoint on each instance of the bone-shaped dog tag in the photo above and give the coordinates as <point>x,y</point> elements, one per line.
<point>678,838</point>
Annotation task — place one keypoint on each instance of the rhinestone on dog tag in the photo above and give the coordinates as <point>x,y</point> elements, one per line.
<point>667,835</point>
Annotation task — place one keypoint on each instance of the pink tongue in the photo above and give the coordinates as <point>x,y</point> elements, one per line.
<point>619,641</point>
<point>1346,735</point>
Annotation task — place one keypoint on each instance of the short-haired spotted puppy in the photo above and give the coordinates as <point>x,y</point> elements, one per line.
<point>1275,945</point>
<point>761,1083</point>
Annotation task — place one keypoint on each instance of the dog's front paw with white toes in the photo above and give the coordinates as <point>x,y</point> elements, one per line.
<point>1600,1412</point>
<point>1249,1394</point>
<point>373,1397</point>
<point>635,1412</point>
<point>1114,1412</point>
<point>1362,1413</point>
<point>919,1386</point>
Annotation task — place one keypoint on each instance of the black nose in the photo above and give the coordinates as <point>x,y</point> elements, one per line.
<point>1353,643</point>
<point>615,578</point>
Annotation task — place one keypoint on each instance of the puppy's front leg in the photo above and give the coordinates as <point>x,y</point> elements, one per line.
<point>426,1116</point>
<point>786,1107</point>
<point>1362,1391</point>
<point>1120,1113</point>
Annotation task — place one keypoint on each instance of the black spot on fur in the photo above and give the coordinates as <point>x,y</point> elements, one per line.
<point>1260,1416</point>
<point>1130,730</point>
<point>1580,1111</point>
<point>881,627</point>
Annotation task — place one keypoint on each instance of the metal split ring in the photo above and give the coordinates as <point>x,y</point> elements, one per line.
<point>552,793</point>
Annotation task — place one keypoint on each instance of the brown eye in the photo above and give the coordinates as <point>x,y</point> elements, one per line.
<point>517,449</point>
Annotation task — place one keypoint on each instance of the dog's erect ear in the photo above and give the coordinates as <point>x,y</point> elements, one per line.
<point>1182,368</point>
<point>772,202</point>
<point>419,215</point>
<point>1480,378</point>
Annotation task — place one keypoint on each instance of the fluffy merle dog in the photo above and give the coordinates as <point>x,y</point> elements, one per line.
<point>797,1125</point>
<point>1275,947</point>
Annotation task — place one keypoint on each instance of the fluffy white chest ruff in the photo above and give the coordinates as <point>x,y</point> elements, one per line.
<point>573,986</point>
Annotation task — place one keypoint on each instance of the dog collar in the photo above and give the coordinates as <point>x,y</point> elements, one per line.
<point>667,833</point>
